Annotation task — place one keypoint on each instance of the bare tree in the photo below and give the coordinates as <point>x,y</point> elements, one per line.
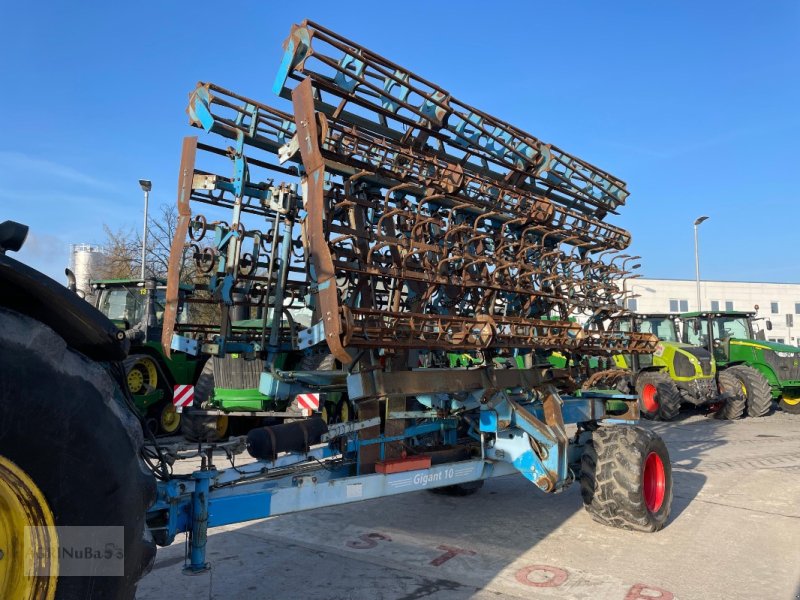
<point>123,249</point>
<point>120,255</point>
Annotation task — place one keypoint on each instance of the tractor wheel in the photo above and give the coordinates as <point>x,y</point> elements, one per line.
<point>789,404</point>
<point>626,478</point>
<point>203,428</point>
<point>169,420</point>
<point>659,397</point>
<point>735,405</point>
<point>756,389</point>
<point>69,456</point>
<point>144,376</point>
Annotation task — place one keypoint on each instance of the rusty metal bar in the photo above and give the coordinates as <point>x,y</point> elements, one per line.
<point>389,99</point>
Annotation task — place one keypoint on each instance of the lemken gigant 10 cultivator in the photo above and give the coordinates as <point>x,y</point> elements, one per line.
<point>382,226</point>
<point>353,246</point>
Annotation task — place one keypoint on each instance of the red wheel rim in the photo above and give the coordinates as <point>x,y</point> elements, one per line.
<point>655,482</point>
<point>649,400</point>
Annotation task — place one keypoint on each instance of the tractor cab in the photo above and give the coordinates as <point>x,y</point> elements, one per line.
<point>688,361</point>
<point>136,305</point>
<point>730,337</point>
<point>716,330</point>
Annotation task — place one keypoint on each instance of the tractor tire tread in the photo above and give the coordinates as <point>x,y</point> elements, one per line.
<point>669,396</point>
<point>758,393</point>
<point>611,478</point>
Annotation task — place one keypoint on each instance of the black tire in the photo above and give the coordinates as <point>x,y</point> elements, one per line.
<point>736,403</point>
<point>203,428</point>
<point>65,422</point>
<point>792,407</point>
<point>204,386</point>
<point>336,403</point>
<point>657,387</point>
<point>324,361</point>
<point>758,393</point>
<point>619,485</point>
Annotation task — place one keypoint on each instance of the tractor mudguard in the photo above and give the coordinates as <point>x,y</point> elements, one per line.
<point>82,326</point>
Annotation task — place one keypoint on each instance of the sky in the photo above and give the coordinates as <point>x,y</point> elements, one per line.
<point>696,105</point>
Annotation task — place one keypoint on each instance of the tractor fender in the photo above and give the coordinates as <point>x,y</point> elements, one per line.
<point>83,327</point>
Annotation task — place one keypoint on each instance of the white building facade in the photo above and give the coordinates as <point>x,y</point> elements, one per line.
<point>777,302</point>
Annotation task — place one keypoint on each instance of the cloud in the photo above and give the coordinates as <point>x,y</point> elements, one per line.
<point>16,163</point>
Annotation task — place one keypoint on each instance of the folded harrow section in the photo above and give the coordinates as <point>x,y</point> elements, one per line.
<point>398,218</point>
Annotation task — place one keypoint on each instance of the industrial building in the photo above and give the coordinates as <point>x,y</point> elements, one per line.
<point>777,302</point>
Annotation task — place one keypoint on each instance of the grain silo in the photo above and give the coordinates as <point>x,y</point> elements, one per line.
<point>86,262</point>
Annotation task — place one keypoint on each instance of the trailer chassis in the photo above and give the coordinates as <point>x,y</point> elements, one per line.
<point>509,431</point>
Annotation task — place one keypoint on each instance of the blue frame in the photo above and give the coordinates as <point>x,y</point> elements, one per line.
<point>514,437</point>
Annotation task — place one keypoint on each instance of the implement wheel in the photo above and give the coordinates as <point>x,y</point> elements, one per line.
<point>626,478</point>
<point>69,456</point>
<point>755,386</point>
<point>659,397</point>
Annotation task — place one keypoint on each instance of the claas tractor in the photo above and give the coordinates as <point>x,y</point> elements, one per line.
<point>676,373</point>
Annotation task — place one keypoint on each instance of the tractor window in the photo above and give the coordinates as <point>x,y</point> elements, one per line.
<point>122,304</point>
<point>159,302</point>
<point>663,329</point>
<point>694,332</point>
<point>736,327</point>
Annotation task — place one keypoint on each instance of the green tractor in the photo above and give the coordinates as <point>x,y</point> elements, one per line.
<point>137,308</point>
<point>676,373</point>
<point>765,370</point>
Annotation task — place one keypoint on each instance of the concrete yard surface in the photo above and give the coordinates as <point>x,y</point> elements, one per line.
<point>734,533</point>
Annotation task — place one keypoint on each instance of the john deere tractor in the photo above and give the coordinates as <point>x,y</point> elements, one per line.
<point>764,370</point>
<point>137,307</point>
<point>676,373</point>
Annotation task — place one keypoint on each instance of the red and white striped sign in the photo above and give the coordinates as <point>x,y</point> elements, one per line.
<point>182,396</point>
<point>308,402</point>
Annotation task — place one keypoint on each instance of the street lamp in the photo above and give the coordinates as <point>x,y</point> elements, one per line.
<point>697,222</point>
<point>147,185</point>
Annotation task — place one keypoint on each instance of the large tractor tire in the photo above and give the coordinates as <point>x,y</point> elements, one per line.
<point>69,456</point>
<point>626,478</point>
<point>734,407</point>
<point>659,397</point>
<point>755,386</point>
<point>203,428</point>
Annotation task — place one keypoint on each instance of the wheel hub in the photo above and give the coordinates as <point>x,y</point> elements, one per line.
<point>170,419</point>
<point>27,528</point>
<point>654,482</point>
<point>143,376</point>
<point>650,398</point>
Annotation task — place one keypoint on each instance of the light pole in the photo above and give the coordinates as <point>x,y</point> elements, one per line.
<point>147,185</point>
<point>625,262</point>
<point>697,222</point>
